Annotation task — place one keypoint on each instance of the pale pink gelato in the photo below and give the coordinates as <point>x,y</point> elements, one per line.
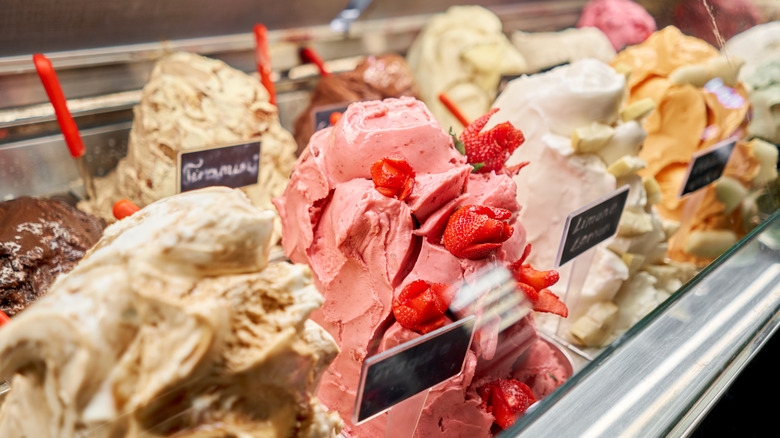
<point>364,247</point>
<point>624,22</point>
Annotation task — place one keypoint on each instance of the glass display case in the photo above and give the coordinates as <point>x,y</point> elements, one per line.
<point>660,378</point>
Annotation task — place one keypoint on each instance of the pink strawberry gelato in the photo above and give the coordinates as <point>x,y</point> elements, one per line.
<point>624,22</point>
<point>365,247</point>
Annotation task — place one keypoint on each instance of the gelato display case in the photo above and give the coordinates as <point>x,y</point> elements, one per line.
<point>400,155</point>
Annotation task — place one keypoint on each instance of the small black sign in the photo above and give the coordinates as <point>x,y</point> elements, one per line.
<point>591,225</point>
<point>401,372</point>
<point>235,165</point>
<point>707,166</point>
<point>322,114</point>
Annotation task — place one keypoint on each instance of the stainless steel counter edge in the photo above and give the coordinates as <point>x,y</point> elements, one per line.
<point>663,376</point>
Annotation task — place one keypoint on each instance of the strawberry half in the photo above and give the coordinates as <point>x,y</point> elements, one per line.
<point>334,117</point>
<point>534,284</point>
<point>420,306</point>
<point>393,177</point>
<point>475,231</point>
<point>507,400</point>
<point>488,151</point>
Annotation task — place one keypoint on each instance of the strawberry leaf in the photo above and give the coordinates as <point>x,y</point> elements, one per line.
<point>477,166</point>
<point>458,144</point>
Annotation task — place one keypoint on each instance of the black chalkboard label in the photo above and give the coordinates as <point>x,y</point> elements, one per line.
<point>234,165</point>
<point>322,114</point>
<point>707,166</point>
<point>591,225</point>
<point>403,371</point>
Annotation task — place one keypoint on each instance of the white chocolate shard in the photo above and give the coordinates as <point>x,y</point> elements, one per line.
<point>591,138</point>
<point>710,243</point>
<point>637,110</point>
<point>653,190</point>
<point>766,153</point>
<point>598,323</point>
<point>730,192</point>
<point>626,166</point>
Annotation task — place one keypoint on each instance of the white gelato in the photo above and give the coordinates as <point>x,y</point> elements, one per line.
<point>174,323</point>
<point>462,53</point>
<point>191,102</point>
<point>581,147</point>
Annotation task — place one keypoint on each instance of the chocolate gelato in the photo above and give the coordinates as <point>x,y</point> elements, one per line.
<point>39,240</point>
<point>376,78</point>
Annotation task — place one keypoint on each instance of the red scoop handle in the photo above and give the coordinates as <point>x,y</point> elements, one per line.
<point>57,99</point>
<point>264,60</point>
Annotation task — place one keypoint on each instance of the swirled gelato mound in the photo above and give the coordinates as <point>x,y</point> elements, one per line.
<point>462,53</point>
<point>375,78</point>
<point>174,324</point>
<point>582,144</point>
<point>191,102</point>
<point>623,21</point>
<point>39,240</point>
<point>698,103</point>
<point>389,215</point>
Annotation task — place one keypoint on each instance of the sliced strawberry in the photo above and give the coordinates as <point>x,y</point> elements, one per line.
<point>530,292</point>
<point>537,279</point>
<point>420,306</point>
<point>534,283</point>
<point>550,303</point>
<point>393,177</point>
<point>475,231</point>
<point>492,148</point>
<point>507,400</point>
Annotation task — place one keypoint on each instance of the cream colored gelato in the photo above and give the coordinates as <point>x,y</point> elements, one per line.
<point>174,324</point>
<point>582,144</point>
<point>542,50</point>
<point>192,102</point>
<point>462,53</point>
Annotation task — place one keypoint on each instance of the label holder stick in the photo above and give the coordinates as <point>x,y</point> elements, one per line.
<point>402,418</point>
<point>578,273</point>
<point>693,197</point>
<point>610,208</point>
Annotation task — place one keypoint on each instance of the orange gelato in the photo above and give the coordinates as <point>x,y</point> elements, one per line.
<point>698,103</point>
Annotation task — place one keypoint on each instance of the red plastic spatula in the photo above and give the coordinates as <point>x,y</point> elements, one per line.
<point>264,60</point>
<point>308,54</point>
<point>69,129</point>
<point>3,318</point>
<point>453,109</point>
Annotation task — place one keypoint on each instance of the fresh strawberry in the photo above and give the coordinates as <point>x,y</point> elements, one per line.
<point>475,231</point>
<point>550,303</point>
<point>534,284</point>
<point>393,177</point>
<point>420,306</point>
<point>507,400</point>
<point>334,117</point>
<point>488,151</point>
<point>536,279</point>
